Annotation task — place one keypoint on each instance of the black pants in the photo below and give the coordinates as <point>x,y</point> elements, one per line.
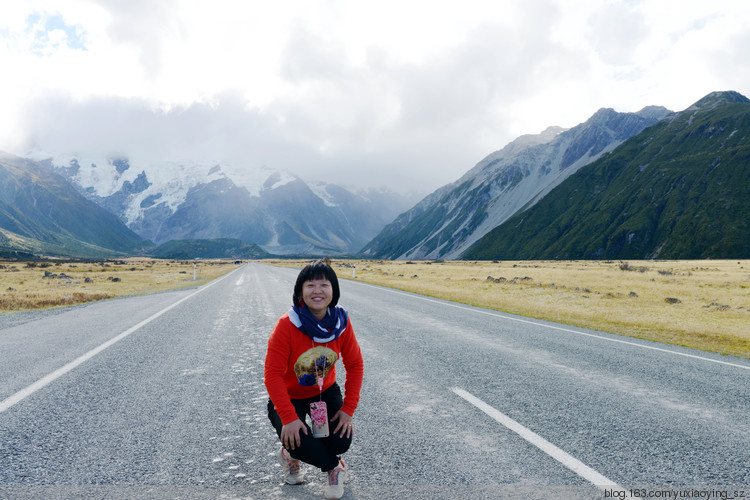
<point>319,452</point>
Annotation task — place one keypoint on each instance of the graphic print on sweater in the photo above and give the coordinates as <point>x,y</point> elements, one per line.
<point>321,359</point>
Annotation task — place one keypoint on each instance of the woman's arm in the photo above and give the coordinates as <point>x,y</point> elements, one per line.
<point>355,369</point>
<point>276,364</point>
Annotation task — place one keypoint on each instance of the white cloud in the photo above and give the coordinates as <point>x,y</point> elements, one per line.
<point>386,92</point>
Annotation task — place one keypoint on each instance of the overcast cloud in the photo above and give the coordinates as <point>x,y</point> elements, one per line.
<point>404,94</point>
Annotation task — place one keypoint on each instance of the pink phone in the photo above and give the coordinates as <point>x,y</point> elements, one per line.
<point>319,417</point>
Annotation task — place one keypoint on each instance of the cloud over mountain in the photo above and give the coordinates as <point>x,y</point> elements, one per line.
<point>371,93</point>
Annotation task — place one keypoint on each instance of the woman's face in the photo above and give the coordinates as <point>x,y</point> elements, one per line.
<point>317,295</point>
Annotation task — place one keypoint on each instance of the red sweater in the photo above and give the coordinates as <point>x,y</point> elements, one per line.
<point>293,358</point>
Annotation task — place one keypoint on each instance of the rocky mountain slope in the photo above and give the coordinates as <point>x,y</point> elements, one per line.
<point>40,212</point>
<point>447,222</point>
<point>677,190</point>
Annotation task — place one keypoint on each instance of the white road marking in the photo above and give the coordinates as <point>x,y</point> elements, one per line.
<point>520,320</point>
<point>46,380</point>
<point>553,451</point>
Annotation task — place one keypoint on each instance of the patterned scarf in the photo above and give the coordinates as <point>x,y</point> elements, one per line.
<point>323,331</point>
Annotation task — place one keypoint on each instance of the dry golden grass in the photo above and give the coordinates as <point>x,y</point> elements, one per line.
<point>38,285</point>
<point>710,310</point>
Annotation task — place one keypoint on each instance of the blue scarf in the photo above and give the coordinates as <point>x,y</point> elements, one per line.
<point>323,331</point>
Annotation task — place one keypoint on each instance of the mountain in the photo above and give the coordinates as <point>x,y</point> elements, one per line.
<point>224,248</point>
<point>191,200</point>
<point>447,222</point>
<point>677,190</point>
<point>40,212</point>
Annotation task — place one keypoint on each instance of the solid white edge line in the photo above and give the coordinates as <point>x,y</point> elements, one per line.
<point>520,320</point>
<point>47,379</point>
<point>553,451</point>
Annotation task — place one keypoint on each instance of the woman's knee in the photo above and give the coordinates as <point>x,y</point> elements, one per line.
<point>337,445</point>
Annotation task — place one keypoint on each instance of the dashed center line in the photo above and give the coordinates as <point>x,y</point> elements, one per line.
<point>550,449</point>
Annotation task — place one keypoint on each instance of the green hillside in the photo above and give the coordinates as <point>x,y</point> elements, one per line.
<point>222,248</point>
<point>678,190</point>
<point>42,213</point>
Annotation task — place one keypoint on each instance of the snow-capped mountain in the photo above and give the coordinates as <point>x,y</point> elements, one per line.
<point>189,200</point>
<point>451,219</point>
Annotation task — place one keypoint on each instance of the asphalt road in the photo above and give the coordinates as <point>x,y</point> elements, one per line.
<point>163,397</point>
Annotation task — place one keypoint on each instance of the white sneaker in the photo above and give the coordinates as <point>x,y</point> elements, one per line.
<point>336,478</point>
<point>292,468</point>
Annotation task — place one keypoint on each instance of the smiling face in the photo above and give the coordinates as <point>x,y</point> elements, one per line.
<point>317,295</point>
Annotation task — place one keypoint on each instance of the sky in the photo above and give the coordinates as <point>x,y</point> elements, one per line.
<point>405,94</point>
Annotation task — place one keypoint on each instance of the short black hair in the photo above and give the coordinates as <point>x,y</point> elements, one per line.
<point>320,269</point>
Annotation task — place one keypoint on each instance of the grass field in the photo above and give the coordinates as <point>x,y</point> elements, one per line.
<point>37,285</point>
<point>700,304</point>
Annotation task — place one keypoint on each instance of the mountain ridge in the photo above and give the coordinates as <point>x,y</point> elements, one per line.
<point>448,221</point>
<point>677,190</point>
<point>650,184</point>
<point>202,200</point>
<point>41,212</point>
<point>220,248</point>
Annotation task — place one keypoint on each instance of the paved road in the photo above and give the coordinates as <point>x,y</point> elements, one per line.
<point>458,402</point>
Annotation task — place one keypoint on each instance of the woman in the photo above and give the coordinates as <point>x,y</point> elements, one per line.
<point>300,373</point>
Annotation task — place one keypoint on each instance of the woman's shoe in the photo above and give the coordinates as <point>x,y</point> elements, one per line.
<point>292,468</point>
<point>336,478</point>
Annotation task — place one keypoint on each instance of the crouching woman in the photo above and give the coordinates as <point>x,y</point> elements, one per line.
<point>300,376</point>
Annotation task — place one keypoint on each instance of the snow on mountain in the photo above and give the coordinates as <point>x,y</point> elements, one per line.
<point>167,182</point>
<point>274,209</point>
<point>256,180</point>
<point>319,188</point>
<point>41,213</point>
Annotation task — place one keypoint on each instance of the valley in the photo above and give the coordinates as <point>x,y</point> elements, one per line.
<point>701,304</point>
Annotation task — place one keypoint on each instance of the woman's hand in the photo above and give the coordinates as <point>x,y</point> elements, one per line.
<point>345,424</point>
<point>290,434</point>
